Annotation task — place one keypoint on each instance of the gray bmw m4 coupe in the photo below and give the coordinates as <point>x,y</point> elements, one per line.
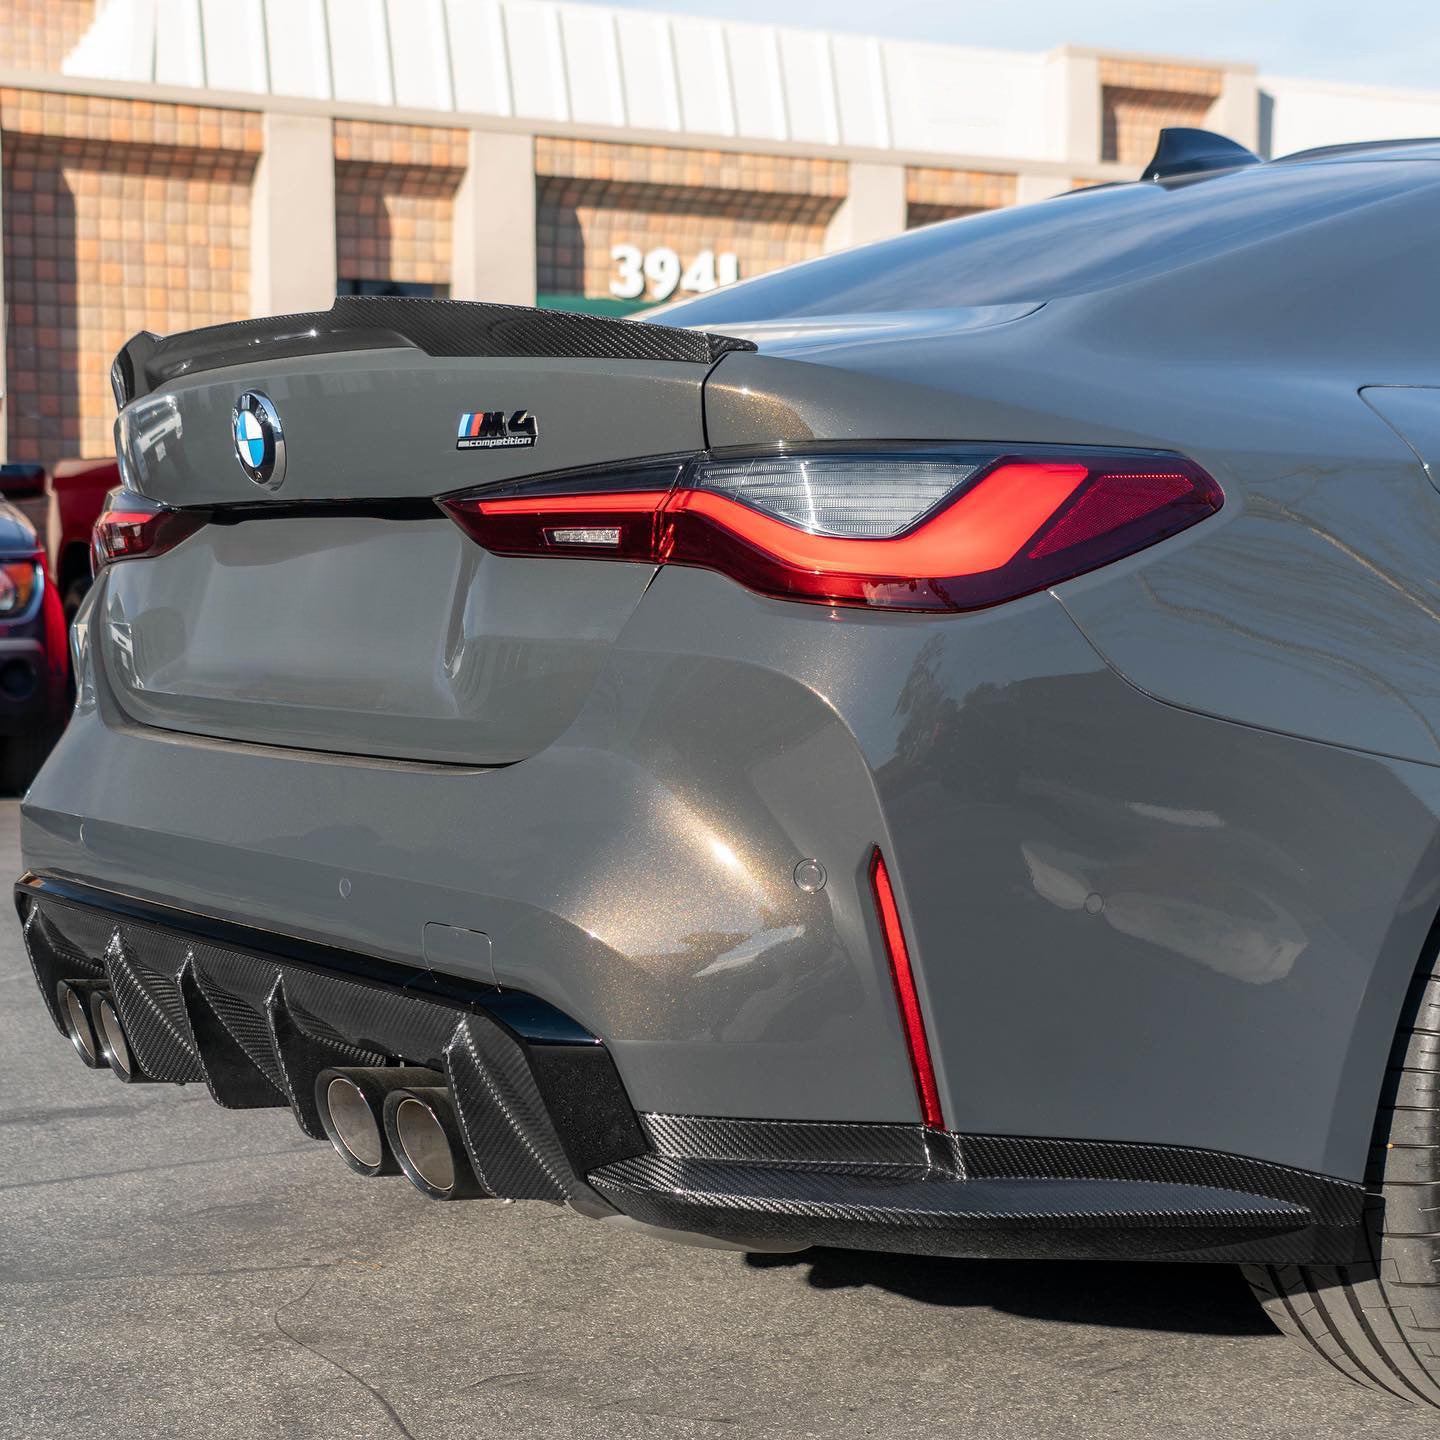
<point>936,749</point>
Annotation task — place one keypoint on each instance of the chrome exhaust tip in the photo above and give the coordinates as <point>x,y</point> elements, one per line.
<point>424,1135</point>
<point>73,998</point>
<point>110,1033</point>
<point>351,1102</point>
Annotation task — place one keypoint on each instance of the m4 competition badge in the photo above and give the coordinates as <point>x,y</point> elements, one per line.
<point>494,430</point>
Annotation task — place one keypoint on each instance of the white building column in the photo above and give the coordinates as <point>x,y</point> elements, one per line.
<point>873,208</point>
<point>292,216</point>
<point>1075,120</point>
<point>494,241</point>
<point>1236,112</point>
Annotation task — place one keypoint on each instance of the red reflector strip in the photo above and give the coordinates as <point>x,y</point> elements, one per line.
<point>912,1021</point>
<point>1107,505</point>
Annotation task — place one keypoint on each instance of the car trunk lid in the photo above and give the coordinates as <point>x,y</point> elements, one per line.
<point>339,609</point>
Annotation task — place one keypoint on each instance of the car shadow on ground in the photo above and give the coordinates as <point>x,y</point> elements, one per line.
<point>1194,1299</point>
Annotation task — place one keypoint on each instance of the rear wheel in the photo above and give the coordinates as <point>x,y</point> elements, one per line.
<point>1379,1322</point>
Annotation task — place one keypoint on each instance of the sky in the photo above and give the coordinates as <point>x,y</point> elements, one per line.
<point>1384,42</point>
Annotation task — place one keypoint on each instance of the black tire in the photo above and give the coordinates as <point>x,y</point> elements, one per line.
<point>75,592</point>
<point>1379,1322</point>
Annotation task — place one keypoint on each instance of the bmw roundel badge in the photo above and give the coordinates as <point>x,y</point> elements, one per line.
<point>259,440</point>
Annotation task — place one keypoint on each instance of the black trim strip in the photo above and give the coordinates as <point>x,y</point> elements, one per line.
<point>525,1016</point>
<point>419,508</point>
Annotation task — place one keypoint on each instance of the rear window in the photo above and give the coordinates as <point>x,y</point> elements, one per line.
<point>1074,243</point>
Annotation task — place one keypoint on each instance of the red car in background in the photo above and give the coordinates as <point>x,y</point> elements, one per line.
<point>63,507</point>
<point>77,496</point>
<point>45,525</point>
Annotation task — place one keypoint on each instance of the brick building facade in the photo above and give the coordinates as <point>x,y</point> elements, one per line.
<point>130,206</point>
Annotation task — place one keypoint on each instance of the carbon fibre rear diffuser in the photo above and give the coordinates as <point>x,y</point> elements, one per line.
<point>257,1016</point>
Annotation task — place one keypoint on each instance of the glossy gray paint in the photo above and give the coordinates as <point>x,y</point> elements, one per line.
<point>637,872</point>
<point>1413,412</point>
<point>1309,605</point>
<point>1263,899</point>
<point>1165,839</point>
<point>415,642</point>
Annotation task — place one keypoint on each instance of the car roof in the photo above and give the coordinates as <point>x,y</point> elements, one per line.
<point>1424,148</point>
<point>1088,240</point>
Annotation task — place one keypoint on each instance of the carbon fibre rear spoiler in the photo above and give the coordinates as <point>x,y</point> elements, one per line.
<point>438,327</point>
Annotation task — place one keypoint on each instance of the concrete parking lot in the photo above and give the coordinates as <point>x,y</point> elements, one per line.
<point>168,1268</point>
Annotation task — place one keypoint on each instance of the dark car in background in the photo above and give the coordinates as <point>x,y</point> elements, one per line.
<point>34,661</point>
<point>45,522</point>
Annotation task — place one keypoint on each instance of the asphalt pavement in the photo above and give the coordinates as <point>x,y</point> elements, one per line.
<point>168,1268</point>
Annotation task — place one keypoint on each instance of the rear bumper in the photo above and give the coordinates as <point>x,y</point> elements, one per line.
<point>257,1016</point>
<point>1124,920</point>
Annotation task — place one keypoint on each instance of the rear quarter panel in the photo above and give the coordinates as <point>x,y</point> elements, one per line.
<point>1136,917</point>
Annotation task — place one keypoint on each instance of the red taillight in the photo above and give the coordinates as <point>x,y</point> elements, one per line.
<point>911,529</point>
<point>616,526</point>
<point>912,1021</point>
<point>132,526</point>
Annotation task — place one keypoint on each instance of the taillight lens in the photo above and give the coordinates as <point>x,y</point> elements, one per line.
<point>908,529</point>
<point>605,514</point>
<point>616,526</point>
<point>131,526</point>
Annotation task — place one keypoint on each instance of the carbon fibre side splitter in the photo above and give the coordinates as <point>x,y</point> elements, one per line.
<point>902,1188</point>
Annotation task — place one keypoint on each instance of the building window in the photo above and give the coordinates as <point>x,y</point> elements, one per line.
<point>407,289</point>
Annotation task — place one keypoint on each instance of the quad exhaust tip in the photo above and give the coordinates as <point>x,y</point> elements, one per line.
<point>424,1136</point>
<point>352,1129</point>
<point>351,1102</point>
<point>398,1119</point>
<point>110,1034</point>
<point>73,998</point>
<point>92,1024</point>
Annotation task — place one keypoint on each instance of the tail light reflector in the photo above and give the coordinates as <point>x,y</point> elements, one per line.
<point>130,525</point>
<point>912,1021</point>
<point>913,528</point>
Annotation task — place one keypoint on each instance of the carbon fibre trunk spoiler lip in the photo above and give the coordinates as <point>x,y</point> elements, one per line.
<point>448,328</point>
